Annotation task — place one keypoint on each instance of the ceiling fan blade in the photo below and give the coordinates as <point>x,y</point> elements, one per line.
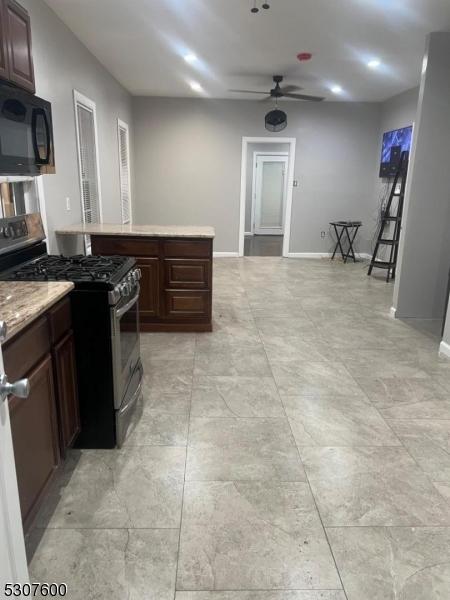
<point>247,92</point>
<point>266,99</point>
<point>304,97</point>
<point>287,89</point>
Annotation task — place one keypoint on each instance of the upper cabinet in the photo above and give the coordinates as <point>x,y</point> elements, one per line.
<point>4,69</point>
<point>16,58</point>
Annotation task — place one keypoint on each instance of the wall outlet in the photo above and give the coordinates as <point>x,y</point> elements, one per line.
<point>67,203</point>
<point>322,234</point>
<point>295,183</point>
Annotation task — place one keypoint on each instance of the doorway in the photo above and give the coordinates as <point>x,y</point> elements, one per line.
<point>269,193</point>
<point>267,174</point>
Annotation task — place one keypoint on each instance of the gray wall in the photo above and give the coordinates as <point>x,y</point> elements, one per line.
<point>420,287</point>
<point>188,163</point>
<point>399,111</point>
<point>251,148</point>
<point>61,64</point>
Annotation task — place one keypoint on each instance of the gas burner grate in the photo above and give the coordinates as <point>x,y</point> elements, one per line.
<point>71,268</point>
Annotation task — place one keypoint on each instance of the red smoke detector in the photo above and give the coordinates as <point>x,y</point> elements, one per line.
<point>302,56</point>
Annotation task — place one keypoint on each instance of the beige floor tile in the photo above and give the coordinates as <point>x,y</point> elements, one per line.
<point>242,449</point>
<point>133,487</point>
<point>337,421</point>
<point>253,535</point>
<point>108,564</point>
<point>395,563</point>
<point>372,486</point>
<point>235,397</point>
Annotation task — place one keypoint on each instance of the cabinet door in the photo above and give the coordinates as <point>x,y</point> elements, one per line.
<point>4,70</point>
<point>66,381</point>
<point>150,286</point>
<point>20,56</point>
<point>35,437</point>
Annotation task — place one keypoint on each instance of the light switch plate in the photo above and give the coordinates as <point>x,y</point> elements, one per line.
<point>295,184</point>
<point>67,203</point>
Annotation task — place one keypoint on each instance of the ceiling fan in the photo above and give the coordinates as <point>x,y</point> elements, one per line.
<point>282,92</point>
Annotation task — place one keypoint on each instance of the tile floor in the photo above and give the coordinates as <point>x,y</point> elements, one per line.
<point>301,451</point>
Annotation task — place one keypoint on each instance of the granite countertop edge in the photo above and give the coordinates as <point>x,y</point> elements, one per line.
<point>174,231</point>
<point>22,302</point>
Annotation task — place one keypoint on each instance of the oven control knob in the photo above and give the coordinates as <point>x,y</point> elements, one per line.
<point>138,274</point>
<point>125,289</point>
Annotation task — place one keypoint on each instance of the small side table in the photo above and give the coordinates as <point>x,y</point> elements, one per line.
<point>350,228</point>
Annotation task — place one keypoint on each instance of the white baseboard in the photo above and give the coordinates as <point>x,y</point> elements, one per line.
<point>392,311</point>
<point>322,255</point>
<point>444,349</point>
<point>225,254</point>
<point>248,233</point>
<point>308,255</point>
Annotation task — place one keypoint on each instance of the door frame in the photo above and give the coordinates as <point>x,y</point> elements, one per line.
<point>13,563</point>
<point>290,186</point>
<point>257,154</point>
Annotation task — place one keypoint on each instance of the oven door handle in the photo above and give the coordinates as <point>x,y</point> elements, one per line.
<point>123,309</point>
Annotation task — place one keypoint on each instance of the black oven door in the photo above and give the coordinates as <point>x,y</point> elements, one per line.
<point>26,136</point>
<point>125,344</point>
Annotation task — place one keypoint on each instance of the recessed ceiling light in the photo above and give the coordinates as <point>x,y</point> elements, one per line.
<point>190,58</point>
<point>374,63</point>
<point>196,87</point>
<point>336,89</point>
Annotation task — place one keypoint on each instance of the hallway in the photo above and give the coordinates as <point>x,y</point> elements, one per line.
<point>263,245</point>
<point>301,451</point>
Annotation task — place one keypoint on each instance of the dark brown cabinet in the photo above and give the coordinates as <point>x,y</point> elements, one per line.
<point>4,69</point>
<point>35,438</point>
<point>68,405</point>
<point>16,57</point>
<point>46,423</point>
<point>149,297</point>
<point>176,284</point>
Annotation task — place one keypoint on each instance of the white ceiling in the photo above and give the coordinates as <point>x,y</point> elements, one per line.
<point>142,43</point>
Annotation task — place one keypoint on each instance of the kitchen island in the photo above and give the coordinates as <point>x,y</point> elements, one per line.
<point>176,267</point>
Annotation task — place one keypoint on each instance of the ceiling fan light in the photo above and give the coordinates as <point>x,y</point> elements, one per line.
<point>276,120</point>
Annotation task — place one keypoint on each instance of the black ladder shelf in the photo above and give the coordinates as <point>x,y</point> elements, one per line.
<point>387,218</point>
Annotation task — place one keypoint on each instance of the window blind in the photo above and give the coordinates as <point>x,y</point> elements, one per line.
<point>124,157</point>
<point>88,164</point>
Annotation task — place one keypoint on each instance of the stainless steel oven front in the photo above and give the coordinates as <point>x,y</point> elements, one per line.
<point>125,343</point>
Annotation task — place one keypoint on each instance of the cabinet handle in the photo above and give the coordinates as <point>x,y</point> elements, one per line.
<point>20,388</point>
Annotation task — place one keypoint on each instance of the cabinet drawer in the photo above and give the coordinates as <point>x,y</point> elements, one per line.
<point>25,350</point>
<point>187,248</point>
<point>124,246</point>
<point>184,273</point>
<point>187,304</point>
<point>60,319</point>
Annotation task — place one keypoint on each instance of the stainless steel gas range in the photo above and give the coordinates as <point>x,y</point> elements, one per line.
<point>105,320</point>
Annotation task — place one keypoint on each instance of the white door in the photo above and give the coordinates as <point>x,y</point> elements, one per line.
<point>270,194</point>
<point>13,562</point>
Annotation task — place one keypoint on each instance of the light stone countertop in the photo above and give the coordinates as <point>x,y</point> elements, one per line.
<point>181,231</point>
<point>21,302</point>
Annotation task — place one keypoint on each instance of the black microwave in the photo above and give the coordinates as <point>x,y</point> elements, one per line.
<point>26,133</point>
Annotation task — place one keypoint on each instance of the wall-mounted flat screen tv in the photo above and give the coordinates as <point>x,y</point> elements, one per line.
<point>394,143</point>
